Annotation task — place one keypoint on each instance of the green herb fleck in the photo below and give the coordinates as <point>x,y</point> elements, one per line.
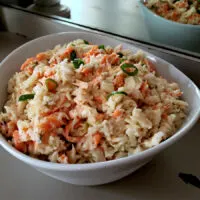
<point>77,63</point>
<point>26,97</point>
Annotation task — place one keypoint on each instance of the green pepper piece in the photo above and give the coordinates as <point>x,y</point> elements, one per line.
<point>116,92</point>
<point>26,97</point>
<point>120,54</point>
<point>101,47</point>
<point>73,55</point>
<point>77,63</point>
<point>86,42</point>
<point>129,66</point>
<point>51,84</point>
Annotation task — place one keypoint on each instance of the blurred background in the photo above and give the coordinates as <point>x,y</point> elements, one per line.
<point>127,18</point>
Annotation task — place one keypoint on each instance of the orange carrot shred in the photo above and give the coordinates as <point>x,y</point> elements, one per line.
<point>27,62</point>
<point>41,56</point>
<point>20,146</point>
<point>98,99</point>
<point>97,138</point>
<point>100,117</point>
<point>117,113</point>
<point>119,81</point>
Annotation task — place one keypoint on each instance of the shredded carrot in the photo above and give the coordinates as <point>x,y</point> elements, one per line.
<point>66,133</point>
<point>118,81</point>
<point>98,99</point>
<point>93,51</point>
<point>29,70</point>
<point>54,121</point>
<point>174,16</point>
<point>100,116</point>
<point>183,4</point>
<point>46,126</point>
<point>68,109</point>
<point>164,116</point>
<point>39,75</point>
<point>97,138</point>
<point>41,56</point>
<point>78,123</point>
<point>86,59</point>
<point>30,146</point>
<point>176,94</point>
<point>163,8</point>
<point>20,146</point>
<point>45,138</point>
<point>44,114</point>
<point>117,113</point>
<point>53,63</point>
<point>16,136</point>
<point>95,81</point>
<point>59,106</point>
<point>27,62</point>
<point>99,70</point>
<point>166,107</point>
<point>12,126</point>
<point>67,129</point>
<point>64,157</point>
<point>173,94</point>
<point>50,123</point>
<point>67,52</point>
<point>144,88</point>
<point>110,59</point>
<point>104,59</point>
<point>109,51</point>
<point>50,112</point>
<point>113,58</point>
<point>86,71</point>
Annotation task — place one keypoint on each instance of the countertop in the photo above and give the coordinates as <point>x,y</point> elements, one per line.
<point>158,180</point>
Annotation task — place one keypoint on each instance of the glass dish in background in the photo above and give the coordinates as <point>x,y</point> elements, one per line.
<point>184,36</point>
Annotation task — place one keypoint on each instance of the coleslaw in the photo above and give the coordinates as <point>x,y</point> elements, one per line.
<point>182,11</point>
<point>83,103</point>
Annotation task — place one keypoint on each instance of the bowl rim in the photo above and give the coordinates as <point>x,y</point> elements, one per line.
<point>167,20</point>
<point>106,164</point>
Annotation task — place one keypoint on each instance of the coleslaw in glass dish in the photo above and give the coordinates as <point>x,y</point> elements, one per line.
<point>182,11</point>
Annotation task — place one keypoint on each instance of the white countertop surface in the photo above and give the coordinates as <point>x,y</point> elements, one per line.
<point>158,180</point>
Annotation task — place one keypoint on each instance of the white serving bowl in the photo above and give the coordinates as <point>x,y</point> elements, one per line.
<point>102,172</point>
<point>161,30</point>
